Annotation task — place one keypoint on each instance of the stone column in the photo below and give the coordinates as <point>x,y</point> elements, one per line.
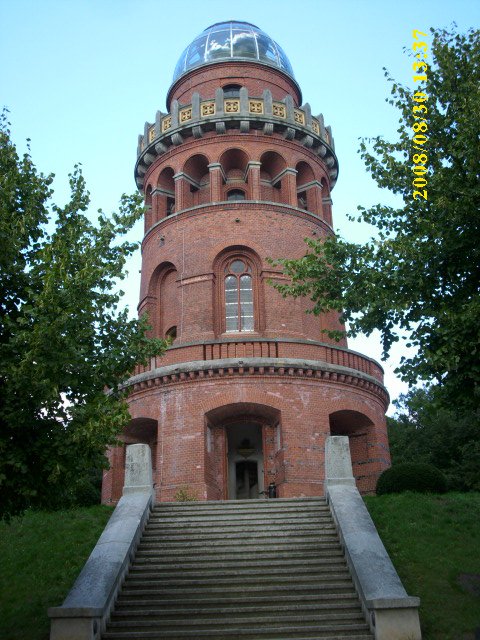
<point>314,199</point>
<point>289,187</point>
<point>216,180</point>
<point>180,184</point>
<point>254,180</point>
<point>327,210</point>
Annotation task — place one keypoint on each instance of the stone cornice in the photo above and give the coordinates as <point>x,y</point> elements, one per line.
<point>242,114</point>
<point>288,367</point>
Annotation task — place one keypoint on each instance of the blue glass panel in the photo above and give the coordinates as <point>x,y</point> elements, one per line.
<point>196,53</point>
<point>266,50</point>
<point>180,68</point>
<point>244,45</point>
<point>284,61</point>
<point>218,45</point>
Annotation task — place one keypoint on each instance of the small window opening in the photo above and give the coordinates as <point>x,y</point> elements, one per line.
<point>170,206</point>
<point>171,334</point>
<point>302,200</point>
<point>231,90</point>
<point>236,194</point>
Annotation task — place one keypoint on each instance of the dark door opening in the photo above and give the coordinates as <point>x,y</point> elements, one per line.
<point>245,461</point>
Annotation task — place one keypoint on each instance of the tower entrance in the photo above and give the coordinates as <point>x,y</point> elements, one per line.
<point>244,461</point>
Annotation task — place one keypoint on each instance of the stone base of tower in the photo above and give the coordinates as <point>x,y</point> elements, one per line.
<point>227,429</point>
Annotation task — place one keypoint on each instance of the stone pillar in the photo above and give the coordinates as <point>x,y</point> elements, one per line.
<point>180,184</point>
<point>314,199</point>
<point>216,180</point>
<point>138,469</point>
<point>338,463</point>
<point>289,187</point>
<point>254,180</point>
<point>148,217</point>
<point>327,210</point>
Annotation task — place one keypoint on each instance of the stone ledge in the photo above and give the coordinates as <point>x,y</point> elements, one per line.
<point>205,369</point>
<point>394,603</point>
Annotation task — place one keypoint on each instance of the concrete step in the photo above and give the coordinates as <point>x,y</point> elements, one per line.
<point>278,554</point>
<point>245,532</point>
<point>320,511</point>
<point>290,632</point>
<point>247,506</point>
<point>301,588</point>
<point>321,572</point>
<point>207,608</point>
<point>253,599</point>
<point>238,505</point>
<point>203,620</point>
<point>194,563</point>
<point>265,519</point>
<point>175,583</point>
<point>313,544</point>
<point>154,622</point>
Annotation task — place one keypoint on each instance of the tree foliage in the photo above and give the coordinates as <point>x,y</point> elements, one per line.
<point>63,338</point>
<point>420,276</point>
<point>423,430</point>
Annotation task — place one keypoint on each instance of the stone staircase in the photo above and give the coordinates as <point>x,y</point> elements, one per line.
<point>239,570</point>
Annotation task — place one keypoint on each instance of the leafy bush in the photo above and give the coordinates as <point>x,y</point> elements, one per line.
<point>185,494</point>
<point>412,476</point>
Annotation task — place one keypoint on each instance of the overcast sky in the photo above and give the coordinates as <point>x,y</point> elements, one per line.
<point>80,77</point>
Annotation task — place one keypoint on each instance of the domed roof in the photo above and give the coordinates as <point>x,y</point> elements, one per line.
<point>232,40</point>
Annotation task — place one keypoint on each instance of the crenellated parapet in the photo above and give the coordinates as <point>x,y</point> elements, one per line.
<point>243,114</point>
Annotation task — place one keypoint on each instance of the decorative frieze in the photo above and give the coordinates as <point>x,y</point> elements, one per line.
<point>166,123</point>
<point>196,120</point>
<point>185,114</point>
<point>207,108</point>
<point>232,106</point>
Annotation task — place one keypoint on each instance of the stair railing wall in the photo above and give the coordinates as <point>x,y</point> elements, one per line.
<point>86,609</point>
<point>390,612</point>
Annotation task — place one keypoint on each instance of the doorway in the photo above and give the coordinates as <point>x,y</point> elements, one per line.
<point>245,461</point>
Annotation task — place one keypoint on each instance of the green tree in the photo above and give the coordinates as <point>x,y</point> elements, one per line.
<point>424,431</point>
<point>63,338</point>
<point>420,276</point>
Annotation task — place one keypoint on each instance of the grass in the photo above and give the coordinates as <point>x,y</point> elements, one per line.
<point>41,554</point>
<point>432,539</point>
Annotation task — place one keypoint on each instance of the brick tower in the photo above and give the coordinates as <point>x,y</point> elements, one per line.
<point>238,171</point>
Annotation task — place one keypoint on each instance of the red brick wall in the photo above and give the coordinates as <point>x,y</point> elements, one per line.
<point>255,77</point>
<point>297,466</point>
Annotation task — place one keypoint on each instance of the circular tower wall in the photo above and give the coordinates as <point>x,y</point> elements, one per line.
<point>236,175</point>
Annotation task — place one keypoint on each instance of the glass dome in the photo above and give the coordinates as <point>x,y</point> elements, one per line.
<point>232,40</point>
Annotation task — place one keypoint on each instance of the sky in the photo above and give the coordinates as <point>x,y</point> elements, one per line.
<point>80,78</point>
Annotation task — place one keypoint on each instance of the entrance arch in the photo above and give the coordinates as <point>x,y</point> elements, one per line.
<point>357,426</point>
<point>243,441</point>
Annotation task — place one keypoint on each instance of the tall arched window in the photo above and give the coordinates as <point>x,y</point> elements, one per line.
<point>238,296</point>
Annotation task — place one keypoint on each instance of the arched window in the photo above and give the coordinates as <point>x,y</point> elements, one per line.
<point>238,296</point>
<point>171,334</point>
<point>236,194</point>
<point>231,90</point>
